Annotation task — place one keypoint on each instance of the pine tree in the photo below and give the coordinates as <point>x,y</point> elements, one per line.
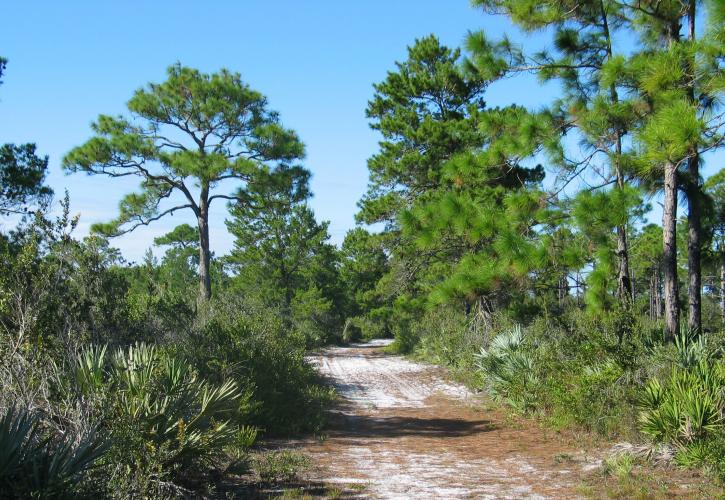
<point>180,262</point>
<point>281,253</point>
<point>187,136</point>
<point>673,74</point>
<point>423,111</point>
<point>715,253</point>
<point>426,112</point>
<point>363,263</point>
<point>584,34</point>
<point>487,209</point>
<point>598,215</point>
<point>22,174</point>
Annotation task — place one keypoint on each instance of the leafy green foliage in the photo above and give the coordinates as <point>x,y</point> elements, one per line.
<point>547,295</point>
<point>33,463</point>
<point>72,315</point>
<point>363,263</point>
<point>424,112</point>
<point>194,129</point>
<point>509,369</point>
<point>282,258</point>
<point>280,466</point>
<point>22,173</point>
<point>167,402</point>
<point>158,411</point>
<point>247,344</point>
<point>597,215</point>
<point>687,406</point>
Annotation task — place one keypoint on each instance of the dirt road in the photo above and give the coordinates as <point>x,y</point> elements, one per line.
<point>404,431</point>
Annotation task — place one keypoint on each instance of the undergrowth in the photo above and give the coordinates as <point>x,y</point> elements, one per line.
<point>613,377</point>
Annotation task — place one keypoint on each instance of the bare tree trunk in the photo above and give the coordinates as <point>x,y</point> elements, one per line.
<point>204,252</point>
<point>482,321</point>
<point>722,287</point>
<point>669,237</point>
<point>563,288</point>
<point>624,283</point>
<point>652,297</point>
<point>694,214</point>
<point>658,290</point>
<point>580,289</point>
<point>625,293</point>
<point>694,246</point>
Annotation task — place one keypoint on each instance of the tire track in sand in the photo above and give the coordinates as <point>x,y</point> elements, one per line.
<point>404,431</point>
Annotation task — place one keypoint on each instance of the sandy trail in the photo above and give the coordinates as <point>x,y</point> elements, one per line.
<point>404,431</point>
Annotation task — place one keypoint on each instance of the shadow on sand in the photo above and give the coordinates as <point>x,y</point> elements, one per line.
<point>357,426</point>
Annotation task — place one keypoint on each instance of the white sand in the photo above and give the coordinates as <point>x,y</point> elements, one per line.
<point>383,382</point>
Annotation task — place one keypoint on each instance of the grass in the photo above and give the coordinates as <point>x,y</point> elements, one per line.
<point>282,466</point>
<point>295,493</point>
<point>625,476</point>
<point>333,492</point>
<point>619,465</point>
<point>357,486</point>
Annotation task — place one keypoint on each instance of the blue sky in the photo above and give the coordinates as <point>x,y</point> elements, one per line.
<point>315,60</point>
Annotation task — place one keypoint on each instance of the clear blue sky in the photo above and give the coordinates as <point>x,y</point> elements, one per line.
<point>315,60</point>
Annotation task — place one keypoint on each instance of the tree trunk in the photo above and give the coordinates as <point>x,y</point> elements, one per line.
<point>655,294</point>
<point>694,214</point>
<point>722,287</point>
<point>625,292</point>
<point>563,288</point>
<point>624,282</point>
<point>204,253</point>
<point>482,321</point>
<point>669,261</point>
<point>694,246</point>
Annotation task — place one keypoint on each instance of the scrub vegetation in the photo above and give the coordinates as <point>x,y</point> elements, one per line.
<point>514,246</point>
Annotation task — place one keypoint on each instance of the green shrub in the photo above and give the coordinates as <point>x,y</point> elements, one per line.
<point>687,407</point>
<point>252,348</point>
<point>690,350</point>
<point>164,419</point>
<point>594,397</point>
<point>37,462</point>
<point>619,465</point>
<point>509,369</point>
<point>446,337</point>
<point>707,454</point>
<point>280,466</point>
<point>351,332</point>
<point>166,400</point>
<point>312,315</point>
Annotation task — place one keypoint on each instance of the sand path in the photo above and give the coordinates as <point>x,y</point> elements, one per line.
<point>404,430</point>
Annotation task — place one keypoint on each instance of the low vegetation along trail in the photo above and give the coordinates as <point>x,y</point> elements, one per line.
<point>403,430</point>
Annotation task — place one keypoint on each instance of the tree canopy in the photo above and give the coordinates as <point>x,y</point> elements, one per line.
<point>184,138</point>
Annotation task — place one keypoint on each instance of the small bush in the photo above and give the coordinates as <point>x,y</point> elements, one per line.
<point>509,369</point>
<point>280,466</point>
<point>164,417</point>
<point>36,462</point>
<point>687,407</point>
<point>285,392</point>
<point>707,454</point>
<point>619,465</point>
